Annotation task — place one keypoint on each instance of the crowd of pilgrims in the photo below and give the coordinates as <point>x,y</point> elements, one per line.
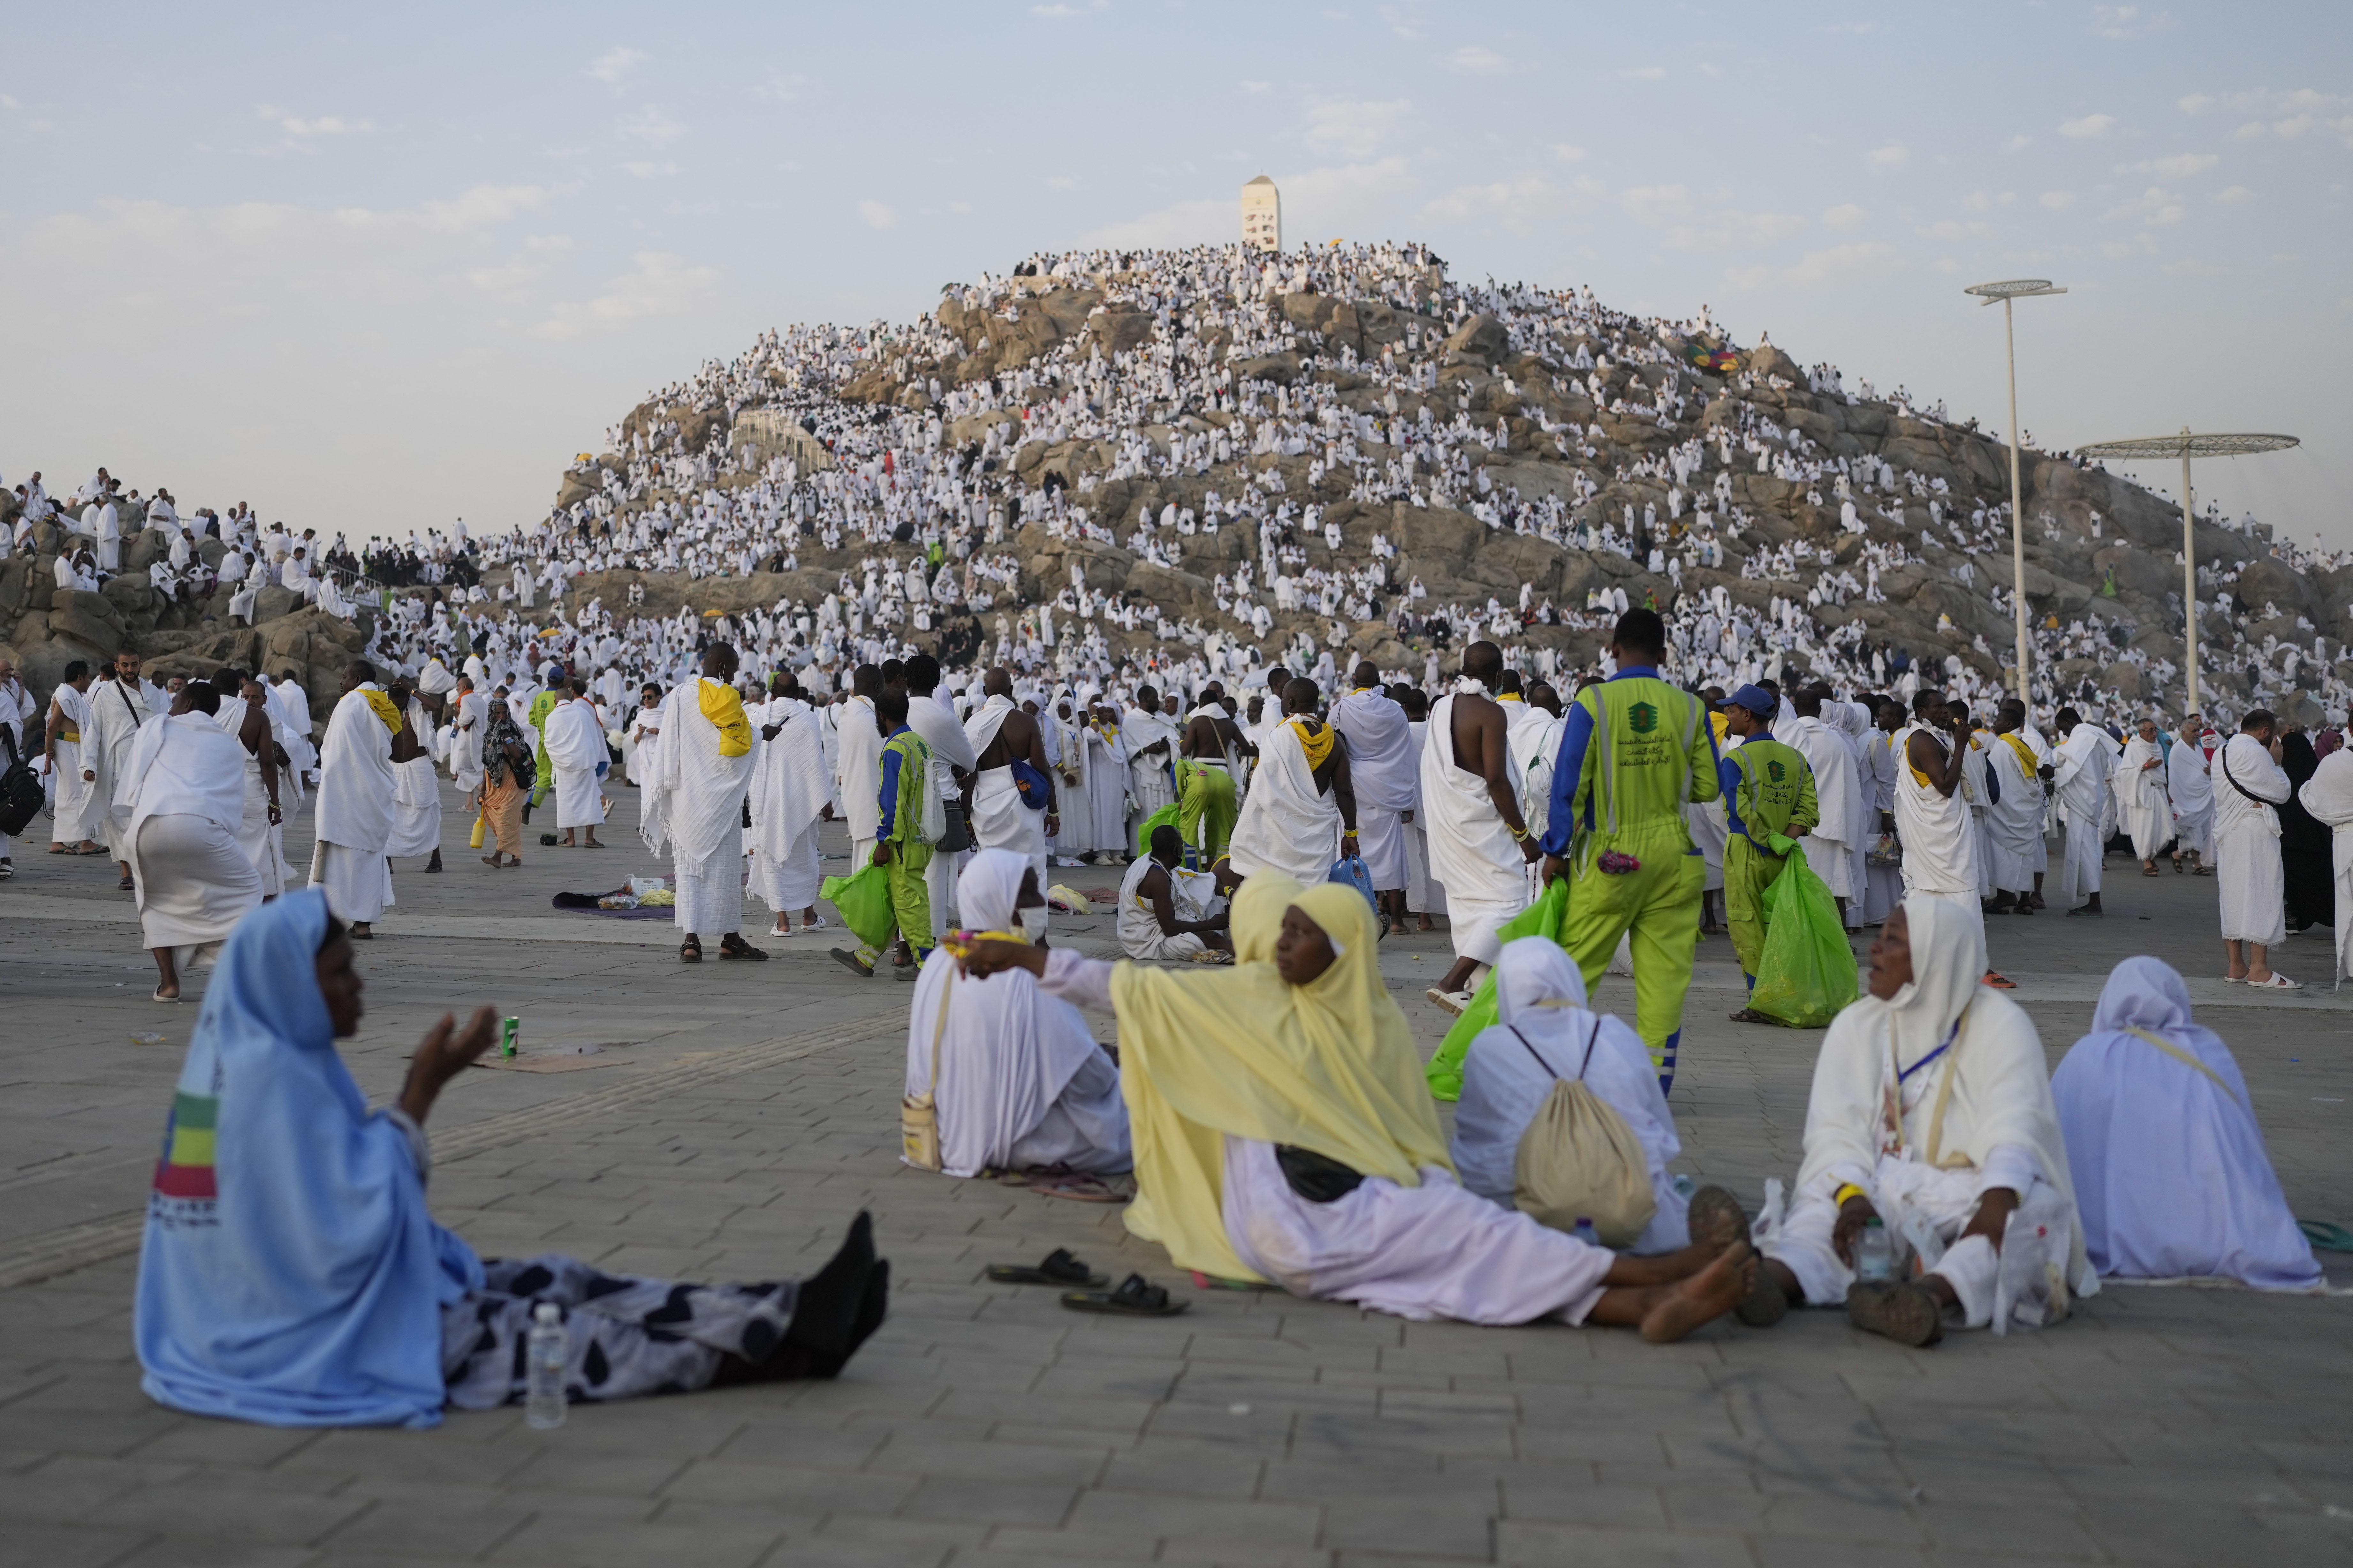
<point>1266,1116</point>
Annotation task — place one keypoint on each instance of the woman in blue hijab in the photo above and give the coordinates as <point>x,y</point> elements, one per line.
<point>2171,1172</point>
<point>291,1274</point>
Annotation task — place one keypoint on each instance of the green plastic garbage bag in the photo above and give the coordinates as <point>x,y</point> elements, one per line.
<point>1166,814</point>
<point>1806,973</point>
<point>1542,918</point>
<point>864,900</point>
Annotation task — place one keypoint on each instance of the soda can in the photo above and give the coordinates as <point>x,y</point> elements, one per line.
<point>509,1030</point>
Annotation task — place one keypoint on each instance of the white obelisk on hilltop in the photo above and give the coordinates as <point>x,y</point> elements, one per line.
<point>1261,214</point>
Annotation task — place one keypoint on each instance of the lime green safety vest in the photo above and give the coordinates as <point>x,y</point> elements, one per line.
<point>1774,777</point>
<point>1647,756</point>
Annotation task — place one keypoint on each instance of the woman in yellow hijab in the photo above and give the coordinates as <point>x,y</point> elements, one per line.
<point>1283,1133</point>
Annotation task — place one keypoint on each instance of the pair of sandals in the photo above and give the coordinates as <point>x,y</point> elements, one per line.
<point>1134,1296</point>
<point>730,947</point>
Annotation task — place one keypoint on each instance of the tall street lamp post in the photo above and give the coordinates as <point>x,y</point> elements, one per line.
<point>2015,288</point>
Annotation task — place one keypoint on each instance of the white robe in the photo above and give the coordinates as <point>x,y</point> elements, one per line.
<point>116,714</point>
<point>1998,1127</point>
<point>1017,1079</point>
<point>357,784</point>
<point>575,744</point>
<point>1424,894</point>
<point>1150,783</point>
<point>2169,1167</point>
<point>1192,894</point>
<point>185,780</point>
<point>1385,773</point>
<point>466,741</point>
<point>1470,850</point>
<point>857,775</point>
<point>788,796</point>
<point>1829,846</point>
<point>2248,876</point>
<point>694,807</point>
<point>2014,823</point>
<point>2328,795</point>
<point>1106,793</point>
<point>936,723</point>
<point>1287,825</point>
<point>2086,764</point>
<point>1547,1035</point>
<point>261,843</point>
<point>2142,808</point>
<point>2190,791</point>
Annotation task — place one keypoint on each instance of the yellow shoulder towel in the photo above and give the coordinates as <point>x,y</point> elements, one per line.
<point>724,708</point>
<point>1316,743</point>
<point>383,708</point>
<point>1328,1067</point>
<point>2025,753</point>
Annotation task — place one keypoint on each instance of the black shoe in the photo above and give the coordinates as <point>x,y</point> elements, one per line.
<point>858,965</point>
<point>828,1304</point>
<point>1896,1310</point>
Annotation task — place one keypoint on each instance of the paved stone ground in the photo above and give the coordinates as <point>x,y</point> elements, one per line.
<point>741,1114</point>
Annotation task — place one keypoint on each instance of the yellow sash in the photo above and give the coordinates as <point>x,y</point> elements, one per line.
<point>381,706</point>
<point>1317,746</point>
<point>723,706</point>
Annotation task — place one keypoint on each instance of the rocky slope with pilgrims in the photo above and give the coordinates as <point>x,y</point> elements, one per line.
<point>1077,412</point>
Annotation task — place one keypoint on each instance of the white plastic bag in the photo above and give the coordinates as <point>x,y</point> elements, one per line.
<point>2031,1290</point>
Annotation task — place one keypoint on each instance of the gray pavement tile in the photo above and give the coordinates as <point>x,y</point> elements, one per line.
<point>557,1538</point>
<point>997,1500</point>
<point>1013,1544</point>
<point>1182,1466</point>
<point>1541,1544</point>
<point>796,1486</point>
<point>1200,1522</point>
<point>24,1545</point>
<point>1459,1527</point>
<point>216,1505</point>
<point>1528,1494</point>
<point>182,1553</point>
<point>432,1525</point>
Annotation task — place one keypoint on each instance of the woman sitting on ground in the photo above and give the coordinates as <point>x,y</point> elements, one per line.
<point>292,1275</point>
<point>1283,1133</point>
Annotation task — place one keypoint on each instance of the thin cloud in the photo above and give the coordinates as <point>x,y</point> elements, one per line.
<point>2058,201</point>
<point>1644,73</point>
<point>1846,214</point>
<point>1064,12</point>
<point>2232,196</point>
<point>876,215</point>
<point>2179,167</point>
<point>2126,22</point>
<point>650,125</point>
<point>615,64</point>
<point>302,130</point>
<point>1258,87</point>
<point>2017,144</point>
<point>1567,153</point>
<point>2090,127</point>
<point>1819,267</point>
<point>1472,60</point>
<point>1888,159</point>
<point>1357,128</point>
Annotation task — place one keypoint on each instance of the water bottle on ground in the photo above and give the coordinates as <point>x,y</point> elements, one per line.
<point>543,1362</point>
<point>1874,1253</point>
<point>1585,1233</point>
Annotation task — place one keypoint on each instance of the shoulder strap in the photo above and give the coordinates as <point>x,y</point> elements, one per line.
<point>2223,755</point>
<point>2177,1054</point>
<point>1945,1091</point>
<point>939,1032</point>
<point>1532,1050</point>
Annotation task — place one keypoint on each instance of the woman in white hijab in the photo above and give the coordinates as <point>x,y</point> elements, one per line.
<point>1016,1076</point>
<point>1931,1112</point>
<point>1547,1033</point>
<point>2171,1172</point>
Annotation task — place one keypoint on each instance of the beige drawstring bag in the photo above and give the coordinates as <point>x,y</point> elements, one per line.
<point>1578,1160</point>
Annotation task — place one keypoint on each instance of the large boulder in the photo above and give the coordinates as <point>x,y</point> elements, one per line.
<point>273,602</point>
<point>88,619</point>
<point>1482,337</point>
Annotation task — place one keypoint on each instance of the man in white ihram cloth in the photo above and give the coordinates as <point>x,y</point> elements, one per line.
<point>1932,816</point>
<point>2170,1171</point>
<point>789,794</point>
<point>858,765</point>
<point>2190,791</point>
<point>694,805</point>
<point>1545,1035</point>
<point>1931,1112</point>
<point>2328,795</point>
<point>2142,809</point>
<point>1830,844</point>
<point>575,744</point>
<point>1384,770</point>
<point>1001,735</point>
<point>1295,820</point>
<point>2086,764</point>
<point>1151,743</point>
<point>2248,782</point>
<point>936,725</point>
<point>415,797</point>
<point>366,734</point>
<point>1477,853</point>
<point>1016,1076</point>
<point>185,782</point>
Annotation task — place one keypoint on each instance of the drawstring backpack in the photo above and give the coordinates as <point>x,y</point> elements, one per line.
<point>1578,1160</point>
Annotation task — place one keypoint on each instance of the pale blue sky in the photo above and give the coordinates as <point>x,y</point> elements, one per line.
<point>374,271</point>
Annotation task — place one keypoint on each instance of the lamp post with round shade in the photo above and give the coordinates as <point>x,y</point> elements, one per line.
<point>2005,291</point>
<point>2185,446</point>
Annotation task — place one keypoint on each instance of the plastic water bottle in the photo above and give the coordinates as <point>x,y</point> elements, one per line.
<point>543,1362</point>
<point>1585,1233</point>
<point>1874,1253</point>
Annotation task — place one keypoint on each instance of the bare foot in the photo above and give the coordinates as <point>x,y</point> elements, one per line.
<point>1702,1299</point>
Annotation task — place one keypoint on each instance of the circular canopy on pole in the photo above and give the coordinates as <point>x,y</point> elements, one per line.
<point>2012,289</point>
<point>2185,445</point>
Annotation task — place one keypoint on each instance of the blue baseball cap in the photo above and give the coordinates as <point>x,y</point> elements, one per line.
<point>1757,701</point>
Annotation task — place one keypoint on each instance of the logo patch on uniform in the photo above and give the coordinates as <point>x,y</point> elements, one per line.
<point>1642,718</point>
<point>1776,772</point>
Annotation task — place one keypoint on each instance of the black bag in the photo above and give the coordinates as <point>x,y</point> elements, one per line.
<point>21,798</point>
<point>957,835</point>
